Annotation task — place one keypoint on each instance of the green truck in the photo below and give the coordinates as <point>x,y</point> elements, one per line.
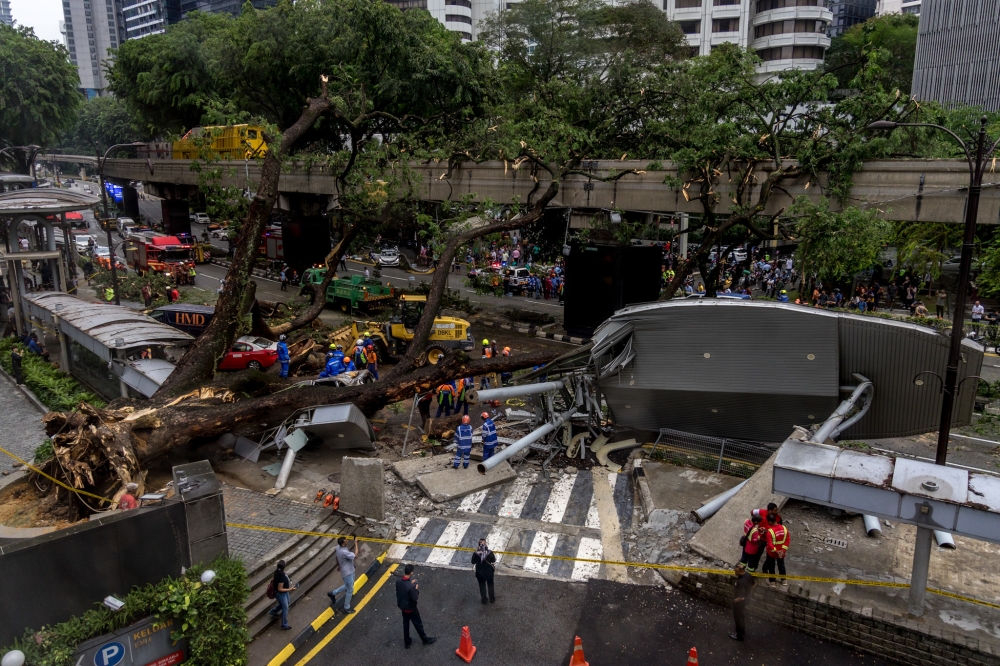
<point>352,292</point>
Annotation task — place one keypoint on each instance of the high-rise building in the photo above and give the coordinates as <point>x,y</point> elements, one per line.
<point>90,28</point>
<point>5,16</point>
<point>897,7</point>
<point>849,12</point>
<point>958,53</point>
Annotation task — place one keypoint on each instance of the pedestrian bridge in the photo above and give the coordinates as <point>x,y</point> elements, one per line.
<point>915,190</point>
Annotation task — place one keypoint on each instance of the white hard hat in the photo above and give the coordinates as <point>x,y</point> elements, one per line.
<point>360,342</point>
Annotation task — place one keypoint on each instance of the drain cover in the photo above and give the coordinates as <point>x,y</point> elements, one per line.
<point>839,543</point>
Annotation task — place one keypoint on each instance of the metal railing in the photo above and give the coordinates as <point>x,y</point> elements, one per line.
<point>718,454</point>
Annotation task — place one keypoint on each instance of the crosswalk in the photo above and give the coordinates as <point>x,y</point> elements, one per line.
<point>535,516</point>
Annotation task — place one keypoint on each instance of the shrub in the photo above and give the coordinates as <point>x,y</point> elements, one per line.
<point>57,390</point>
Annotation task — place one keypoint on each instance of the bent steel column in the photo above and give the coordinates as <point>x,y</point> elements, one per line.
<point>514,391</point>
<point>530,438</point>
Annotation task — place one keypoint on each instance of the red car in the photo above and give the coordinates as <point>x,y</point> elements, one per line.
<point>251,352</point>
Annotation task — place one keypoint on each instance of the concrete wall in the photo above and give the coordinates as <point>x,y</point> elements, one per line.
<point>924,190</point>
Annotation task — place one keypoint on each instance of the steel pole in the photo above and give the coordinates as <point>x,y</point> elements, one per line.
<point>964,271</point>
<point>514,391</point>
<point>921,565</point>
<point>107,228</point>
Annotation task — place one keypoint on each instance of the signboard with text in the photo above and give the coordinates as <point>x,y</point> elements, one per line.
<point>145,643</point>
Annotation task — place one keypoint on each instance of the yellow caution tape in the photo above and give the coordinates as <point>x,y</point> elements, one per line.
<point>53,479</point>
<point>637,565</point>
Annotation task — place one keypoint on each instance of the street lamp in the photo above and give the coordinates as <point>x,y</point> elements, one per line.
<point>977,165</point>
<point>107,225</point>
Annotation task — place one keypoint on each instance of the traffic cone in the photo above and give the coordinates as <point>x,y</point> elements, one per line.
<point>693,657</point>
<point>466,650</point>
<point>577,659</point>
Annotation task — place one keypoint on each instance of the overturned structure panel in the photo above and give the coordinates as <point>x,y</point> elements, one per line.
<point>752,371</point>
<point>338,426</point>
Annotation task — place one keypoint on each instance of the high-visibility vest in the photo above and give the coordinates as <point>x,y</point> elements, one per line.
<point>777,540</point>
<point>487,352</point>
<point>445,392</point>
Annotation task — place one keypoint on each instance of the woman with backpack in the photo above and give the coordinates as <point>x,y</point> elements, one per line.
<point>279,589</point>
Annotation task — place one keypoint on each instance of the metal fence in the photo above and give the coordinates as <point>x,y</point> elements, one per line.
<point>723,456</point>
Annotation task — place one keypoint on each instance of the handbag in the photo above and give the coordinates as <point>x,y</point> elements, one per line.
<point>270,589</point>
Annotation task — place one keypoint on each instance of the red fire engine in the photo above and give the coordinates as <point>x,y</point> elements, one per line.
<point>160,254</point>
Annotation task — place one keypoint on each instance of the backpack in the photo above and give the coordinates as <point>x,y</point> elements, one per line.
<point>270,593</point>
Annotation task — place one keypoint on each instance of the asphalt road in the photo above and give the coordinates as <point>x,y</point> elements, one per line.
<point>534,622</point>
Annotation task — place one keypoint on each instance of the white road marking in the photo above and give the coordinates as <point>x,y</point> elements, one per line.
<point>558,499</point>
<point>472,502</point>
<point>497,539</point>
<point>513,504</point>
<point>590,549</point>
<point>593,517</point>
<point>452,536</point>
<point>544,543</point>
<point>612,479</point>
<point>396,551</point>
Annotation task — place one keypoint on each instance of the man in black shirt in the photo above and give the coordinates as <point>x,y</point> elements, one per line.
<point>744,589</point>
<point>407,593</point>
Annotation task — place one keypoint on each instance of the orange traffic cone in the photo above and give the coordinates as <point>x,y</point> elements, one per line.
<point>693,657</point>
<point>577,659</point>
<point>466,650</point>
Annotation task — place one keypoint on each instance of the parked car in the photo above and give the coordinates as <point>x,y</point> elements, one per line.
<point>250,352</point>
<point>88,189</point>
<point>518,279</point>
<point>82,242</point>
<point>202,218</point>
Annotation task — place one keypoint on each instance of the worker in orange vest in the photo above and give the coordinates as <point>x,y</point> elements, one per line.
<point>446,393</point>
<point>777,540</point>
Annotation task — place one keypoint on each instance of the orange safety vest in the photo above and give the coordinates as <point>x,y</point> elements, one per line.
<point>777,541</point>
<point>488,352</point>
<point>445,393</point>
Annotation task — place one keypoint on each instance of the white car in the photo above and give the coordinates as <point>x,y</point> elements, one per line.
<point>82,242</point>
<point>389,256</point>
<point>202,218</point>
<point>220,233</point>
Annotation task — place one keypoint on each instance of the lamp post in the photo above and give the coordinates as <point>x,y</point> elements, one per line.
<point>977,160</point>
<point>107,225</point>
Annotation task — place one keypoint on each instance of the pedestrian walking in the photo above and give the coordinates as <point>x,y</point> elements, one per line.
<point>407,593</point>
<point>282,589</point>
<point>744,590</point>
<point>485,563</point>
<point>343,261</point>
<point>15,364</point>
<point>752,541</point>
<point>367,273</point>
<point>283,357</point>
<point>284,280</point>
<point>489,436</point>
<point>345,559</point>
<point>463,440</point>
<point>147,295</point>
<point>776,542</point>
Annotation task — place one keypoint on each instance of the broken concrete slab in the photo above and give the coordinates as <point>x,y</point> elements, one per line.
<point>682,489</point>
<point>408,470</point>
<point>448,484</point>
<point>719,538</point>
<point>362,487</point>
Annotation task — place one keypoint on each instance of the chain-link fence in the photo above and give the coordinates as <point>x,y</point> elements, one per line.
<point>716,454</point>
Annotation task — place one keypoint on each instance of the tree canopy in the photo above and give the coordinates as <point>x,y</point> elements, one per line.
<point>39,93</point>
<point>102,122</point>
<point>896,34</point>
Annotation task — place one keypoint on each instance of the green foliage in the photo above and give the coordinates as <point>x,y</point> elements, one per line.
<point>926,245</point>
<point>835,245</point>
<point>893,34</point>
<point>57,390</point>
<point>130,285</point>
<point>38,90</point>
<point>102,123</point>
<point>211,617</point>
<point>44,452</point>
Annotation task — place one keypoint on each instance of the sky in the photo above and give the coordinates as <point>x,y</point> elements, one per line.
<point>42,15</point>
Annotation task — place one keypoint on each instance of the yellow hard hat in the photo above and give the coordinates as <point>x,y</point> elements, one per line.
<point>485,342</point>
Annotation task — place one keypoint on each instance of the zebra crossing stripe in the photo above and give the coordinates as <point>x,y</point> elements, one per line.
<point>593,517</point>
<point>450,538</point>
<point>513,504</point>
<point>472,502</point>
<point>555,508</point>
<point>498,538</point>
<point>397,551</point>
<point>544,543</point>
<point>590,549</point>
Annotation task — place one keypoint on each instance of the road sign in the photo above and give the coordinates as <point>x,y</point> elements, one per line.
<point>109,654</point>
<point>145,643</point>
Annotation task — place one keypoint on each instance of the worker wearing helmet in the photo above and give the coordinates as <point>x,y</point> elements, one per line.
<point>487,352</point>
<point>347,364</point>
<point>334,367</point>
<point>360,358</point>
<point>283,356</point>
<point>337,353</point>
<point>462,395</point>
<point>783,296</point>
<point>445,393</point>
<point>489,435</point>
<point>463,440</point>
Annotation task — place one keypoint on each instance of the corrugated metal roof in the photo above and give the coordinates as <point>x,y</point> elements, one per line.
<point>45,201</point>
<point>101,327</point>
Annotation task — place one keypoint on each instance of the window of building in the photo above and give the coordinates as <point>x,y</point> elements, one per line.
<point>690,27</point>
<point>767,5</point>
<point>791,52</point>
<point>724,3</point>
<point>466,35</point>
<point>913,9</point>
<point>459,3</point>
<point>782,27</point>
<point>725,25</point>
<point>687,4</point>
<point>458,18</point>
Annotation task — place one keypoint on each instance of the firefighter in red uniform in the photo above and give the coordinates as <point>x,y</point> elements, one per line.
<point>776,541</point>
<point>752,541</point>
<point>769,516</point>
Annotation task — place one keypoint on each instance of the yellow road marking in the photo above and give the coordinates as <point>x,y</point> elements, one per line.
<point>347,619</point>
<point>280,658</point>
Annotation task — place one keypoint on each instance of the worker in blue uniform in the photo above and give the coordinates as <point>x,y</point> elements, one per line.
<point>463,439</point>
<point>283,357</point>
<point>334,366</point>
<point>489,436</point>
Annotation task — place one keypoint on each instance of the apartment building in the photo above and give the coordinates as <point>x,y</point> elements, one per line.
<point>897,7</point>
<point>90,28</point>
<point>5,16</point>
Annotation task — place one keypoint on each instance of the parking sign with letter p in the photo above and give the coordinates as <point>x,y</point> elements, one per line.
<point>109,654</point>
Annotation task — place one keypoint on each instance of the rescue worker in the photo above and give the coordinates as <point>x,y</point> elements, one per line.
<point>334,366</point>
<point>783,296</point>
<point>360,359</point>
<point>283,357</point>
<point>191,275</point>
<point>462,399</point>
<point>372,361</point>
<point>489,435</point>
<point>487,352</point>
<point>752,541</point>
<point>769,516</point>
<point>109,294</point>
<point>347,364</point>
<point>463,440</point>
<point>445,393</point>
<point>776,542</point>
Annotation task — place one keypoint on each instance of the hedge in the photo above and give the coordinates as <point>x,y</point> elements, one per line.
<point>57,390</point>
<point>211,617</point>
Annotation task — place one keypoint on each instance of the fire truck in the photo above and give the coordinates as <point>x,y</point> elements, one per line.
<point>157,253</point>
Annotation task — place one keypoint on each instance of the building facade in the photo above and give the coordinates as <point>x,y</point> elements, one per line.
<point>897,7</point>
<point>90,28</point>
<point>849,12</point>
<point>5,16</point>
<point>958,53</point>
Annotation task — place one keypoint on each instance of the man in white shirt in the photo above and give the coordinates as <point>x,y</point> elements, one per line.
<point>977,313</point>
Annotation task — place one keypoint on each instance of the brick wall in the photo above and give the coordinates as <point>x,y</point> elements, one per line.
<point>891,636</point>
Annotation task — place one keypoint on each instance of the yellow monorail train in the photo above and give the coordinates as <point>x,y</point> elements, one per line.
<point>228,142</point>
